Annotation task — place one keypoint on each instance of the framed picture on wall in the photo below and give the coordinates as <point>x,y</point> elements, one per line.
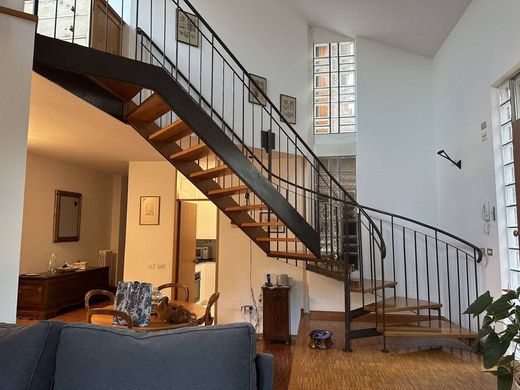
<point>150,210</point>
<point>255,96</point>
<point>187,28</point>
<point>288,109</point>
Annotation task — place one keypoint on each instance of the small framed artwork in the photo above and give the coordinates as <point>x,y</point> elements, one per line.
<point>266,216</point>
<point>288,109</point>
<point>187,28</point>
<point>150,210</point>
<point>255,96</point>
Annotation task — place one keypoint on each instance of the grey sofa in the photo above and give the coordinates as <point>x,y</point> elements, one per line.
<point>54,355</point>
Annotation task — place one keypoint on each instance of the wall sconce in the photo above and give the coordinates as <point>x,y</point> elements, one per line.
<point>442,153</point>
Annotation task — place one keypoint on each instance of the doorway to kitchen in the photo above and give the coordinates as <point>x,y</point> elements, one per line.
<point>196,242</point>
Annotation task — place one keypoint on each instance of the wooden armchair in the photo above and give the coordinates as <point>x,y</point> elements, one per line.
<point>178,287</point>
<point>208,319</point>
<point>92,293</point>
<point>110,312</point>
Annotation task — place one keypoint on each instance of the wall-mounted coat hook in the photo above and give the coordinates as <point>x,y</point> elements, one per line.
<point>442,153</point>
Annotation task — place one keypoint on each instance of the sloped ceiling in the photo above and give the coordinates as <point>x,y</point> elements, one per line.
<point>417,26</point>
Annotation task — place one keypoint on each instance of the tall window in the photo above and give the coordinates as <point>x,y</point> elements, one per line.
<point>334,88</point>
<point>508,112</point>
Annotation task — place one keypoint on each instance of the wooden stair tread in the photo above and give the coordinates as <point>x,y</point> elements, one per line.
<point>262,224</point>
<point>394,304</point>
<point>173,132</point>
<point>152,108</point>
<point>211,173</point>
<point>122,91</point>
<point>433,328</point>
<point>294,255</point>
<point>278,239</point>
<point>246,208</point>
<point>191,154</point>
<point>368,286</point>
<point>228,191</point>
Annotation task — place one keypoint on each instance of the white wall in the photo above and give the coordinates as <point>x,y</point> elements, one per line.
<point>16,46</point>
<point>396,155</point>
<point>482,48</point>
<point>150,244</point>
<point>45,176</point>
<point>234,271</point>
<point>14,4</point>
<point>271,40</point>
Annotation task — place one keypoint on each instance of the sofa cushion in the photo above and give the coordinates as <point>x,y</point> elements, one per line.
<point>28,355</point>
<point>213,357</point>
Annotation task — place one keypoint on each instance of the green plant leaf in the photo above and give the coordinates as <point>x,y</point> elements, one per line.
<point>493,350</point>
<point>488,320</point>
<point>504,381</point>
<point>484,331</point>
<point>500,307</point>
<point>480,304</point>
<point>505,360</point>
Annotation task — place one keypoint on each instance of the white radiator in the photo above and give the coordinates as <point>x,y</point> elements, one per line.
<point>107,258</point>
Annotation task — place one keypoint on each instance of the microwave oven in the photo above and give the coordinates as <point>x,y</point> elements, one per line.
<point>203,252</point>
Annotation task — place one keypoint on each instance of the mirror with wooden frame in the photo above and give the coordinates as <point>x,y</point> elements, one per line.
<point>67,216</point>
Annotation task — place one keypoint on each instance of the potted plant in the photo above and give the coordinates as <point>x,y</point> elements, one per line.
<point>500,330</point>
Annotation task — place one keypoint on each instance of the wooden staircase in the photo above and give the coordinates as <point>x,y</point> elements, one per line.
<point>209,173</point>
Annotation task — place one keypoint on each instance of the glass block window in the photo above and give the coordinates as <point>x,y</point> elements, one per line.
<point>344,170</point>
<point>507,114</point>
<point>334,88</point>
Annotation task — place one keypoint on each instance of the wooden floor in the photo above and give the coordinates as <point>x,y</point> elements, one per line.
<point>411,363</point>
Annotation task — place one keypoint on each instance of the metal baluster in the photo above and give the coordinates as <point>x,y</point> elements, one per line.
<point>346,289</point>
<point>55,18</point>
<point>476,282</point>
<point>438,271</point>
<point>467,291</point>
<point>449,283</point>
<point>137,29</point>
<point>416,265</point>
<point>74,20</point>
<point>458,288</point>
<point>385,350</point>
<point>427,273</point>
<point>405,267</point>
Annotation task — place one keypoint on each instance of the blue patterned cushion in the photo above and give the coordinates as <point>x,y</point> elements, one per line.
<point>135,299</point>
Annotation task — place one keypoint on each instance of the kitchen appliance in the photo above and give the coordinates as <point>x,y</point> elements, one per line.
<point>203,253</point>
<point>196,297</point>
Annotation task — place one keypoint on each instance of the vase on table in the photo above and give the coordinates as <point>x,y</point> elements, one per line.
<point>52,263</point>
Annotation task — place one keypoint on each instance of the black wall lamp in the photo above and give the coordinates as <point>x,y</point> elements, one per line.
<point>442,153</point>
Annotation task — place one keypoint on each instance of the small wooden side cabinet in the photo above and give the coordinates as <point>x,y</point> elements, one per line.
<point>42,296</point>
<point>276,314</point>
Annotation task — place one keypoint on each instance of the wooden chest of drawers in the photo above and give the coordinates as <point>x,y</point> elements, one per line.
<point>276,314</point>
<point>42,296</point>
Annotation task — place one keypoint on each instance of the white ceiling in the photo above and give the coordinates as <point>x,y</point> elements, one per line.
<point>417,26</point>
<point>63,127</point>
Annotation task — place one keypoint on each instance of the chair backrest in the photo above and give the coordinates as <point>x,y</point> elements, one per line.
<point>92,293</point>
<point>110,312</point>
<point>208,319</point>
<point>178,287</point>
